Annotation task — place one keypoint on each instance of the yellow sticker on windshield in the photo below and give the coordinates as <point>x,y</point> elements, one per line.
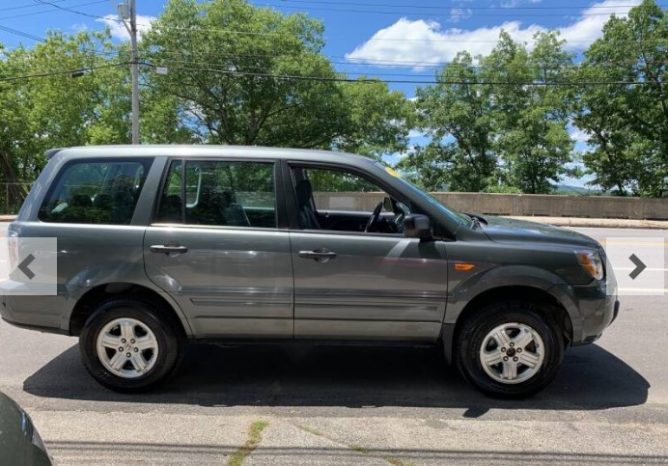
<point>392,172</point>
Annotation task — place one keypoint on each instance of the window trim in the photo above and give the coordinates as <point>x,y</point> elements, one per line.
<point>276,174</point>
<point>147,162</point>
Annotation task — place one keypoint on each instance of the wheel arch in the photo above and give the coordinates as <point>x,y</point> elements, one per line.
<point>558,313</point>
<point>87,302</point>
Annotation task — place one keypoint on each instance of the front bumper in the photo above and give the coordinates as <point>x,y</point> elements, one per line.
<point>597,308</point>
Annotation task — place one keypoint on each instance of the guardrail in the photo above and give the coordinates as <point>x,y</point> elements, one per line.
<point>520,204</point>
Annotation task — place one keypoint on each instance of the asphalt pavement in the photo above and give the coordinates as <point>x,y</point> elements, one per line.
<point>321,405</point>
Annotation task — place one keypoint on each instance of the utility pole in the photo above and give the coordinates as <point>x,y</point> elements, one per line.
<point>128,11</point>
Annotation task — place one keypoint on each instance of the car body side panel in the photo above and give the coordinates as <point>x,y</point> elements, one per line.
<point>378,286</point>
<point>88,256</point>
<point>497,266</point>
<point>232,282</point>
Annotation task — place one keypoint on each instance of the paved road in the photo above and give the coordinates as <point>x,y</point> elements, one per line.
<point>609,404</point>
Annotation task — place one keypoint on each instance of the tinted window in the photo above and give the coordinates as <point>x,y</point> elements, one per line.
<point>102,192</point>
<point>219,193</point>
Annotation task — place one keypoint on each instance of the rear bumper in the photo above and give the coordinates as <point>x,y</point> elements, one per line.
<point>20,312</point>
<point>39,328</point>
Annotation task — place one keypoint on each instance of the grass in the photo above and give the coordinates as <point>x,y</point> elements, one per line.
<point>253,440</point>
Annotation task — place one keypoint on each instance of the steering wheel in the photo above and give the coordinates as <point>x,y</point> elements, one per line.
<point>373,219</point>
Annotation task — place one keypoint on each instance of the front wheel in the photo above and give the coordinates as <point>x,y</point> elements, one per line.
<point>509,349</point>
<point>127,347</point>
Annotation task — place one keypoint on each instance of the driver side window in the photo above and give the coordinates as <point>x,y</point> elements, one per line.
<point>338,200</point>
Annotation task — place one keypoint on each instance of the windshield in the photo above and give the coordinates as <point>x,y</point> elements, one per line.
<point>424,196</point>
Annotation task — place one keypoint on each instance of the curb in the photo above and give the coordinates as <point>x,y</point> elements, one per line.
<point>598,222</point>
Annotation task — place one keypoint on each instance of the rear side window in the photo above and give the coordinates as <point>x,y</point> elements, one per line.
<point>221,193</point>
<point>99,192</point>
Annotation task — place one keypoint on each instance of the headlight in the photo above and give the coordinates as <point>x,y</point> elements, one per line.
<point>592,263</point>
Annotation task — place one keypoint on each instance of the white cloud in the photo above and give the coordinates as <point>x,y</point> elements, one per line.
<point>458,14</point>
<point>577,134</point>
<point>423,41</point>
<point>118,29</point>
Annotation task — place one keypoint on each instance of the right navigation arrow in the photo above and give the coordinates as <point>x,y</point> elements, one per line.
<point>640,266</point>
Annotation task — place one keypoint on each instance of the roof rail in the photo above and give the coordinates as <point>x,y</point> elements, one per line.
<point>51,152</point>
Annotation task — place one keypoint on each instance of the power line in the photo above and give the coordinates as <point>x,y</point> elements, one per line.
<point>27,35</point>
<point>397,12</point>
<point>415,81</point>
<point>264,33</point>
<point>23,7</point>
<point>41,12</point>
<point>475,8</point>
<point>16,32</point>
<point>45,74</point>
<point>342,60</point>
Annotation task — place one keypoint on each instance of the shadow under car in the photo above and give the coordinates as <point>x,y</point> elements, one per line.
<point>349,376</point>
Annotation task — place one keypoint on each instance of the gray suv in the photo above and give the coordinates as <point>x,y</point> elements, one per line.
<point>158,245</point>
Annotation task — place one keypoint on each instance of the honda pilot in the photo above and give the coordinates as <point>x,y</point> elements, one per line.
<point>161,245</point>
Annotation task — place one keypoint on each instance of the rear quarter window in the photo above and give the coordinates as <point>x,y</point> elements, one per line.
<point>102,191</point>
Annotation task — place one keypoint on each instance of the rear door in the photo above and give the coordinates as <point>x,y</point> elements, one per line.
<point>215,246</point>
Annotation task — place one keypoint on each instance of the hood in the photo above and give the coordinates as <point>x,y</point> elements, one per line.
<point>504,230</point>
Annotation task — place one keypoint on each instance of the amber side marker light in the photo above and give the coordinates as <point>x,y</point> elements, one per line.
<point>464,266</point>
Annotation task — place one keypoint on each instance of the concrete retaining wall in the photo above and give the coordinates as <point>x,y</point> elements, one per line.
<point>514,204</point>
<point>520,204</point>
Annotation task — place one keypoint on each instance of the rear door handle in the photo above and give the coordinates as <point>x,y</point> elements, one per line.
<point>318,255</point>
<point>169,249</point>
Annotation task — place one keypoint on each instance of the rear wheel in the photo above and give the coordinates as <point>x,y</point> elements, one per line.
<point>510,349</point>
<point>127,347</point>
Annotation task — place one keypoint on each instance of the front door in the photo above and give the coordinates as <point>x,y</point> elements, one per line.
<point>356,275</point>
<point>215,247</point>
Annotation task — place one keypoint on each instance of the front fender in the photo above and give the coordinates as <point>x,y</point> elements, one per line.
<point>466,287</point>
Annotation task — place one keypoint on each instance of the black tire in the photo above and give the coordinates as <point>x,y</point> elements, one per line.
<point>170,344</point>
<point>474,330</point>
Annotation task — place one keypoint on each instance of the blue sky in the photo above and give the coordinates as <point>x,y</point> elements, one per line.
<point>392,39</point>
<point>395,39</point>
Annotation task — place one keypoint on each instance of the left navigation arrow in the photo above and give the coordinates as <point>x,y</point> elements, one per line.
<point>23,266</point>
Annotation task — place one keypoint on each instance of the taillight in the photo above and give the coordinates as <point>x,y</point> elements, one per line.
<point>13,250</point>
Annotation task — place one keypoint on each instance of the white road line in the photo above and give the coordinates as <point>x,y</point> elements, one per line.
<point>648,269</point>
<point>652,291</point>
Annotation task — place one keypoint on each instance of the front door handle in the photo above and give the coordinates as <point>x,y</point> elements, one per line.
<point>318,255</point>
<point>169,249</point>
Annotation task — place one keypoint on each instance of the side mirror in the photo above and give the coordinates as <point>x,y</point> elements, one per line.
<point>417,226</point>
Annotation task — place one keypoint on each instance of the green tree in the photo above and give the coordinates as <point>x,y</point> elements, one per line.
<point>221,55</point>
<point>498,125</point>
<point>60,108</point>
<point>377,120</point>
<point>456,114</point>
<point>627,124</point>
<point>247,75</point>
<point>531,112</point>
